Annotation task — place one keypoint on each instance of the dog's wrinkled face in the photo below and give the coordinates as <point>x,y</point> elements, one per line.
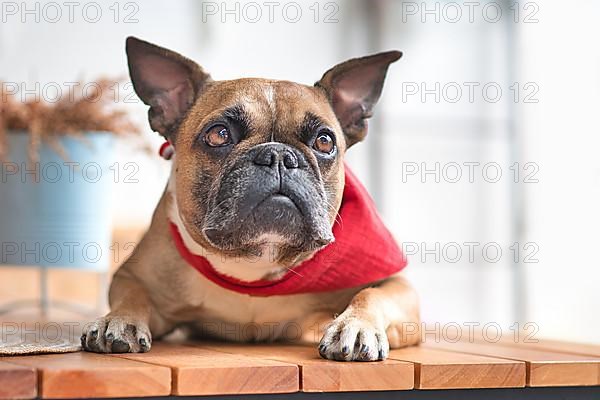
<point>259,163</point>
<point>267,162</point>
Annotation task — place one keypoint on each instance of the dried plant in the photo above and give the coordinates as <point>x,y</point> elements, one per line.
<point>72,115</point>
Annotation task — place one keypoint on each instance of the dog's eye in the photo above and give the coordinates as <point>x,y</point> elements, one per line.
<point>324,143</point>
<point>217,136</point>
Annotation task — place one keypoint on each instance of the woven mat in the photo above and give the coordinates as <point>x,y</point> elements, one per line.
<point>26,343</point>
<point>22,348</point>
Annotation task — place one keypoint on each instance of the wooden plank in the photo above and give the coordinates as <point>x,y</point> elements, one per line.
<point>17,381</point>
<point>76,375</point>
<point>439,369</point>
<point>530,340</point>
<point>544,368</point>
<point>199,371</point>
<point>319,375</point>
<point>558,346</point>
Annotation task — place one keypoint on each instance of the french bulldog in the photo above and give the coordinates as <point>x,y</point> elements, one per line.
<point>256,185</point>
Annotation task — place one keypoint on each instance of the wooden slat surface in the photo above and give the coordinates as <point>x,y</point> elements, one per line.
<point>200,371</point>
<point>76,375</point>
<point>573,348</point>
<point>319,375</point>
<point>530,340</point>
<point>439,369</point>
<point>17,381</point>
<point>585,349</point>
<point>223,369</point>
<point>544,368</point>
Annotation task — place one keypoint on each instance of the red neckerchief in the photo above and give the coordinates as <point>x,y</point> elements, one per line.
<point>363,252</point>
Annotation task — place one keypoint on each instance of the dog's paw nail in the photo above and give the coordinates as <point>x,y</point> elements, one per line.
<point>110,337</point>
<point>143,345</point>
<point>354,339</point>
<point>120,346</point>
<point>323,350</point>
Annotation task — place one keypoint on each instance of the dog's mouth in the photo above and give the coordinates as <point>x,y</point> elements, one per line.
<point>276,212</point>
<point>279,200</point>
<point>286,217</point>
<point>276,204</point>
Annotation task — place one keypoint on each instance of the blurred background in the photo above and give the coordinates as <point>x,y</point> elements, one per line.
<point>481,156</point>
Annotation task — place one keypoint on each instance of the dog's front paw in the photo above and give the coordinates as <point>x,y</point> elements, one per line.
<point>114,334</point>
<point>349,338</point>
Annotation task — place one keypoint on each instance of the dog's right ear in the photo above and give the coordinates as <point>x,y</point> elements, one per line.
<point>166,81</point>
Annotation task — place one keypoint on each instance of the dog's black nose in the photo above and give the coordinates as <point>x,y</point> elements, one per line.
<point>272,155</point>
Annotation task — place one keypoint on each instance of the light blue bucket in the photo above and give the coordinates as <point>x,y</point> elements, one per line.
<point>60,216</point>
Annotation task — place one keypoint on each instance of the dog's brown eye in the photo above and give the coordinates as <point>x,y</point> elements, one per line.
<point>217,136</point>
<point>324,143</point>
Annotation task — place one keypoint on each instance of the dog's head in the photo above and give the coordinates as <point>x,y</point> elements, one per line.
<point>258,162</point>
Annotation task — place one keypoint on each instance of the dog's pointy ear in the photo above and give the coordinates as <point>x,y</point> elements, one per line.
<point>353,87</point>
<point>166,81</point>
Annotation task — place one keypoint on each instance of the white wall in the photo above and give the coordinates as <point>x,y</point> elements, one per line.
<point>449,133</point>
<point>561,134</point>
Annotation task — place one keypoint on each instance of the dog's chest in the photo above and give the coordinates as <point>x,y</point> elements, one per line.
<point>199,299</point>
<point>216,311</point>
<point>224,304</point>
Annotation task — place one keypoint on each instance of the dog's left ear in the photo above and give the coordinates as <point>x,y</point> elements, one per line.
<point>353,88</point>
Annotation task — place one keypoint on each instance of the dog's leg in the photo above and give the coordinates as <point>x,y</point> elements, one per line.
<point>377,317</point>
<point>126,328</point>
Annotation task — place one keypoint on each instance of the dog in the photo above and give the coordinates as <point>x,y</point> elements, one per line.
<point>258,187</point>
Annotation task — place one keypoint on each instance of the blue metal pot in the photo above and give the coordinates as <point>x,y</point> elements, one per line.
<point>56,212</point>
